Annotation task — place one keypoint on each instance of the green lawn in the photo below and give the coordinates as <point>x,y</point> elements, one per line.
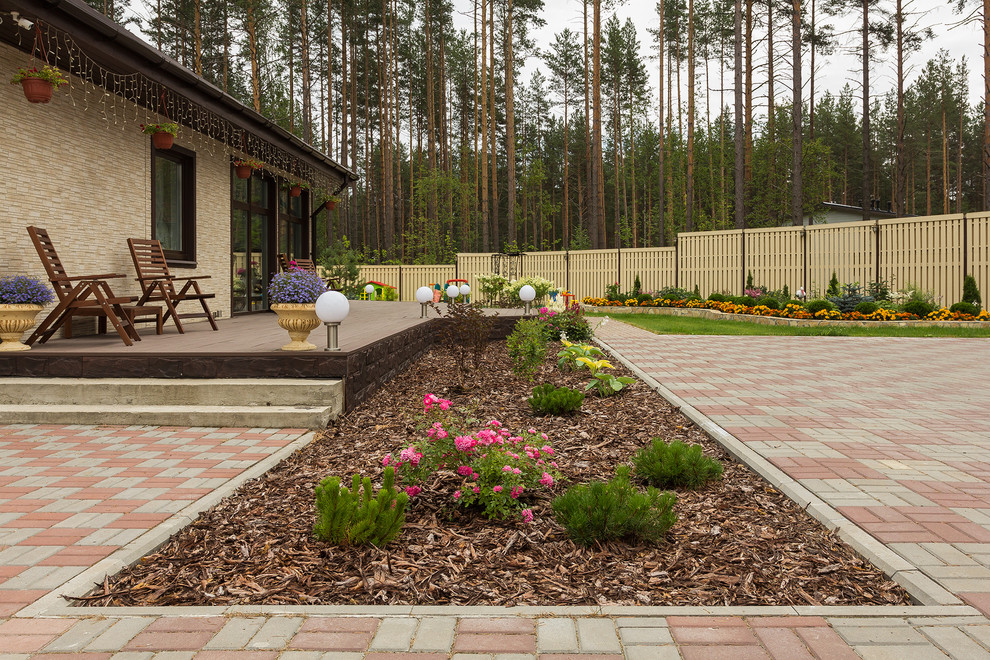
<point>662,324</point>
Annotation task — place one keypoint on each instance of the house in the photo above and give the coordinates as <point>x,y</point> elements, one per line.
<point>81,167</point>
<point>833,212</point>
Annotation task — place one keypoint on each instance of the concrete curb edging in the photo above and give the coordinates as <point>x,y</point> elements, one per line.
<point>921,587</point>
<point>54,604</point>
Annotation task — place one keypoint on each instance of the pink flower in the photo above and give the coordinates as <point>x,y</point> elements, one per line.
<point>546,480</point>
<point>464,470</point>
<point>494,423</point>
<point>464,443</point>
<point>496,489</point>
<point>475,476</point>
<point>507,468</point>
<point>387,459</point>
<point>444,404</point>
<point>527,515</point>
<point>516,470</point>
<point>531,431</point>
<point>413,491</point>
<point>516,492</point>
<point>457,494</point>
<point>410,454</point>
<point>547,449</point>
<point>475,490</point>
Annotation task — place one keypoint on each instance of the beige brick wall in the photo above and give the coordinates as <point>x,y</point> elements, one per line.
<point>80,167</point>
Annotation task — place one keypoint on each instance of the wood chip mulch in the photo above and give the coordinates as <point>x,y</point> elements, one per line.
<point>737,541</point>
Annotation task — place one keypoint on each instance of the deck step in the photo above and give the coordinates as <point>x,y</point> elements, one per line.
<point>270,403</point>
<point>307,417</point>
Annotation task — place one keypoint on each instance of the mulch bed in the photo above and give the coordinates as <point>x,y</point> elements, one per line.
<point>737,541</point>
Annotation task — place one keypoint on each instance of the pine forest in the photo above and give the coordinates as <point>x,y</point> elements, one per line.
<point>721,121</point>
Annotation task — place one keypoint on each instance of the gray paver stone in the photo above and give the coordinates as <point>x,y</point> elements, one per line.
<point>598,636</point>
<point>900,653</point>
<point>78,636</point>
<point>174,655</point>
<point>133,655</point>
<point>514,656</point>
<point>394,634</point>
<point>471,656</point>
<point>556,636</point>
<point>955,642</point>
<point>435,634</point>
<point>641,622</point>
<point>275,633</point>
<point>880,635</point>
<point>645,636</point>
<point>235,632</point>
<point>118,634</point>
<point>652,653</point>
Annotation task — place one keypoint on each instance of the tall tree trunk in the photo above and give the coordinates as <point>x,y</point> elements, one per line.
<point>591,201</point>
<point>740,138</point>
<point>198,37</point>
<point>689,211</point>
<point>748,164</point>
<point>661,151</point>
<point>596,91</point>
<point>797,216</point>
<point>900,158</point>
<point>866,110</point>
<point>510,128</point>
<point>496,238</point>
<point>986,104</point>
<point>253,49</point>
<point>945,159</point>
<point>485,216</point>
<point>811,72</point>
<point>307,107</point>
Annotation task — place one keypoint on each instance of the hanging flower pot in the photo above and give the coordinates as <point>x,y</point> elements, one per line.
<point>245,166</point>
<point>295,191</point>
<point>162,135</point>
<point>38,84</point>
<point>331,203</point>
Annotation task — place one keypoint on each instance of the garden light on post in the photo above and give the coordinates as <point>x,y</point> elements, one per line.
<point>369,290</point>
<point>452,292</point>
<point>332,308</point>
<point>465,291</point>
<point>527,294</point>
<point>424,295</point>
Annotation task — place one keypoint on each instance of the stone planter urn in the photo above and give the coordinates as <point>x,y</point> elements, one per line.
<point>14,321</point>
<point>298,319</point>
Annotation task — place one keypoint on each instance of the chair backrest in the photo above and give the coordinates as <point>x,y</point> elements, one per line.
<point>283,261</point>
<point>49,258</point>
<point>149,262</point>
<point>298,263</point>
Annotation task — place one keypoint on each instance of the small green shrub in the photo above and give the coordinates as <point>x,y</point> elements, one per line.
<point>816,306</point>
<point>749,280</point>
<point>748,301</point>
<point>965,308</point>
<point>851,296</point>
<point>568,357</point>
<point>919,308</point>
<point>604,511</point>
<point>867,307</point>
<point>527,347</point>
<point>717,297</point>
<point>643,297</point>
<point>550,400</point>
<point>352,517</point>
<point>769,302</point>
<point>637,285</point>
<point>785,293</point>
<point>676,465</point>
<point>793,301</point>
<point>833,286</point>
<point>674,293</point>
<point>971,293</point>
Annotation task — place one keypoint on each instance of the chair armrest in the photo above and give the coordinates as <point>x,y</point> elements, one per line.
<point>104,276</point>
<point>194,277</point>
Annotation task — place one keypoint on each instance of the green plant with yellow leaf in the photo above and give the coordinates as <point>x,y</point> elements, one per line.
<point>607,384</point>
<point>568,357</point>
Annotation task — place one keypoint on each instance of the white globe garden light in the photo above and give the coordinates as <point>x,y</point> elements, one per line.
<point>369,289</point>
<point>527,294</point>
<point>332,308</point>
<point>465,290</point>
<point>453,291</point>
<point>424,294</point>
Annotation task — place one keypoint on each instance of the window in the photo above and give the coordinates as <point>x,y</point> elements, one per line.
<point>291,225</point>
<point>173,204</point>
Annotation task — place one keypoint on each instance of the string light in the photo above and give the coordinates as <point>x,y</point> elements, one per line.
<point>122,96</point>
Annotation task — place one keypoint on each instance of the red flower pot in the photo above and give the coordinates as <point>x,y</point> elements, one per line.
<point>295,191</point>
<point>331,205</point>
<point>37,90</point>
<point>243,171</point>
<point>162,140</point>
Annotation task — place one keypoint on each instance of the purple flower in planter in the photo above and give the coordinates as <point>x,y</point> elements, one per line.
<point>24,290</point>
<point>295,286</point>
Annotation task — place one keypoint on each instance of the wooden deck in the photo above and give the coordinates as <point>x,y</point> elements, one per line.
<point>377,340</point>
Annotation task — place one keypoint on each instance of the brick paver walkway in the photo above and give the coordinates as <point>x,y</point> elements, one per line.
<point>892,433</point>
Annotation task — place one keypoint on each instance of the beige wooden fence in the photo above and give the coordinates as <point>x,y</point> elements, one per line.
<point>932,252</point>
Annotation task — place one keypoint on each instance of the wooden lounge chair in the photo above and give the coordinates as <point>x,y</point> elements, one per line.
<point>158,285</point>
<point>85,295</point>
<point>304,264</point>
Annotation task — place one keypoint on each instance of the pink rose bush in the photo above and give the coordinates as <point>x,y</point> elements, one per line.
<point>494,468</point>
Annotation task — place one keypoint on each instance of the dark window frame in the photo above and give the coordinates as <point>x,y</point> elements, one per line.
<point>271,214</point>
<point>302,219</point>
<point>186,257</point>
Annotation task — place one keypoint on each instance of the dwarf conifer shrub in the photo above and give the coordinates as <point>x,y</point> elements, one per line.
<point>769,302</point>
<point>613,510</point>
<point>965,308</point>
<point>548,399</point>
<point>675,465</point>
<point>816,306</point>
<point>353,517</point>
<point>527,346</point>
<point>971,293</point>
<point>833,286</point>
<point>919,308</point>
<point>717,297</point>
<point>866,307</point>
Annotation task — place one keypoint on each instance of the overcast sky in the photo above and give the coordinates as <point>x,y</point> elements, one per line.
<point>833,72</point>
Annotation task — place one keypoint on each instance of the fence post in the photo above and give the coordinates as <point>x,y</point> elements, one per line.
<point>567,271</point>
<point>618,274</point>
<point>742,238</point>
<point>677,265</point>
<point>876,269</point>
<point>965,247</point>
<point>804,256</point>
<point>400,281</point>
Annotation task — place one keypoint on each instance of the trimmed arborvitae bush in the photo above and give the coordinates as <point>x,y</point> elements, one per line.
<point>613,510</point>
<point>550,400</point>
<point>676,465</point>
<point>919,308</point>
<point>353,517</point>
<point>527,347</point>
<point>769,302</point>
<point>866,307</point>
<point>965,308</point>
<point>785,293</point>
<point>971,293</point>
<point>833,286</point>
<point>816,306</point>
